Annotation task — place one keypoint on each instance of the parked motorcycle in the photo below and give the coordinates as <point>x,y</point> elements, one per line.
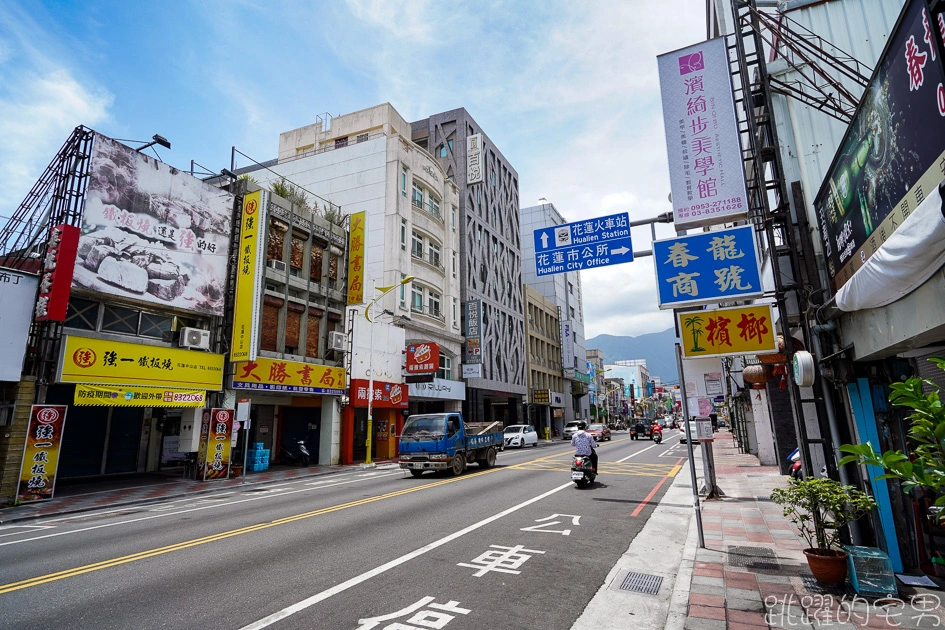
<point>656,433</point>
<point>296,455</point>
<point>797,470</point>
<point>582,471</point>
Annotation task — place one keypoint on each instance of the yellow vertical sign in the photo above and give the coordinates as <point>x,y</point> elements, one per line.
<point>248,276</point>
<point>356,259</point>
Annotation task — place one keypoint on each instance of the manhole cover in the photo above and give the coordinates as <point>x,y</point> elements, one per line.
<point>752,558</point>
<point>642,583</point>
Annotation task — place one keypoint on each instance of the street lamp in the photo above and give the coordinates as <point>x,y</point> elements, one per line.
<point>370,403</point>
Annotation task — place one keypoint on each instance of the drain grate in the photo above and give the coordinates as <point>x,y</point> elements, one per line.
<point>752,558</point>
<point>815,587</point>
<point>642,583</point>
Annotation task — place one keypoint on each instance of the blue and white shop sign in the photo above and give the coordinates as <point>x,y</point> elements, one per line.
<point>582,245</point>
<point>706,268</point>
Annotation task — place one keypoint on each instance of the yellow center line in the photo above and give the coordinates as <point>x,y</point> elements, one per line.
<point>150,553</point>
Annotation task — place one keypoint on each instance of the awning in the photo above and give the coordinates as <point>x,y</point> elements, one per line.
<point>909,257</point>
<point>118,396</point>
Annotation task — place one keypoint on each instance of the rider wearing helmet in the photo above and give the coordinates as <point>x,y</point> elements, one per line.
<point>584,444</point>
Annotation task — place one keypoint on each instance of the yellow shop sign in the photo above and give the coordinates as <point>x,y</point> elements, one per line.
<point>277,375</point>
<point>743,330</point>
<point>106,362</point>
<point>118,396</point>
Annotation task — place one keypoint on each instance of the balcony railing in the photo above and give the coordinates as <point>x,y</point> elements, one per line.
<point>428,312</point>
<point>433,261</point>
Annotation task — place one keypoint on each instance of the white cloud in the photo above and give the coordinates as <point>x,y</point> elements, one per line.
<point>37,113</point>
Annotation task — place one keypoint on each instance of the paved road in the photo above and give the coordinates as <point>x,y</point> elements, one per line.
<point>517,546</point>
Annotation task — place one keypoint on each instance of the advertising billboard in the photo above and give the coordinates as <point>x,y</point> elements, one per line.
<point>475,170</point>
<point>37,480</point>
<point>249,275</point>
<point>289,376</point>
<point>473,316</point>
<point>58,267</point>
<point>892,155</point>
<point>706,173</point>
<point>17,292</point>
<point>720,332</point>
<point>153,233</point>
<point>423,358</point>
<point>356,259</point>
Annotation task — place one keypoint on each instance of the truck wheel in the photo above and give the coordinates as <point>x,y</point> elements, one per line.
<point>459,465</point>
<point>416,473</point>
<point>488,461</point>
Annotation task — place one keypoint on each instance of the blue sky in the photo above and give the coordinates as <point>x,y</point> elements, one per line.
<point>567,90</point>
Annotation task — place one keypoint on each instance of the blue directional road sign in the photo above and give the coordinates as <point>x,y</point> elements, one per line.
<point>707,267</point>
<point>599,242</point>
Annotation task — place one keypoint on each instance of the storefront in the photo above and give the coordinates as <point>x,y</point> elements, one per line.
<point>438,396</point>
<point>125,403</point>
<point>388,408</point>
<point>292,401</point>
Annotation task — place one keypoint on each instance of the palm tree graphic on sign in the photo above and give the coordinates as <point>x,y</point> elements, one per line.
<point>695,325</point>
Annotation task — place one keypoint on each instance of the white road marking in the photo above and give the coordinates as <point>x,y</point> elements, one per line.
<point>29,529</point>
<point>637,453</point>
<point>163,514</point>
<point>288,611</point>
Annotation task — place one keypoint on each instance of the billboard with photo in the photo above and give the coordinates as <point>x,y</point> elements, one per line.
<point>153,233</point>
<point>893,154</point>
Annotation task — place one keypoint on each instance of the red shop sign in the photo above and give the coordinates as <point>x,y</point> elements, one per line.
<point>386,395</point>
<point>55,283</point>
<point>423,358</point>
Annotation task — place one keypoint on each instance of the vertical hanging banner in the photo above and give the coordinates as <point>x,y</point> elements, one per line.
<point>356,259</point>
<point>706,172</point>
<point>249,276</point>
<point>218,446</point>
<point>473,316</point>
<point>41,453</point>
<point>55,284</point>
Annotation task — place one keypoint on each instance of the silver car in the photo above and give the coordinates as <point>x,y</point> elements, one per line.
<point>570,429</point>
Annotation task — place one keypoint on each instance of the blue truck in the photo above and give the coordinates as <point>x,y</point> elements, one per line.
<point>443,442</point>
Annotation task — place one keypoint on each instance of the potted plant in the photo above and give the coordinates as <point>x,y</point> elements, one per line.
<point>821,508</point>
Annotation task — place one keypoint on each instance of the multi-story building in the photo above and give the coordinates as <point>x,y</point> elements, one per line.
<point>595,363</point>
<point>365,162</point>
<point>545,380</point>
<point>615,404</point>
<point>637,377</point>
<point>564,289</point>
<point>490,274</point>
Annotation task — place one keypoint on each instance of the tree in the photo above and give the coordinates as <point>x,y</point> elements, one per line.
<point>333,214</point>
<point>291,193</point>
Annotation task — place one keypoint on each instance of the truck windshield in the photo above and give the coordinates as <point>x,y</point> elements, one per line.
<point>424,427</point>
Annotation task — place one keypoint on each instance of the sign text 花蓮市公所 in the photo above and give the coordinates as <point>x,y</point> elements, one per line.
<point>599,242</point>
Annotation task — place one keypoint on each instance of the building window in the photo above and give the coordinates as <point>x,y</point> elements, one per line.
<point>434,254</point>
<point>493,177</point>
<point>446,371</point>
<point>417,246</point>
<point>403,234</point>
<point>403,292</point>
<point>417,299</point>
<point>572,312</point>
<point>341,142</point>
<point>455,318</point>
<point>417,196</point>
<point>442,151</point>
<point>120,320</point>
<point>454,264</point>
<point>433,301</point>
<point>453,219</point>
<point>156,326</point>
<point>403,181</point>
<point>434,206</point>
<point>479,235</point>
<point>570,288</point>
<point>362,137</point>
<point>82,314</point>
<point>495,245</point>
<point>450,142</point>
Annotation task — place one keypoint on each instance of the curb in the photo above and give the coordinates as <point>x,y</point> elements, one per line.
<point>177,495</point>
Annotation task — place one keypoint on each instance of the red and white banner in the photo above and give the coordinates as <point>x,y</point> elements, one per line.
<point>385,395</point>
<point>423,358</point>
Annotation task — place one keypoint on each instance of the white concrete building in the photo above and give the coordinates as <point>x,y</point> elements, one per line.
<point>366,162</point>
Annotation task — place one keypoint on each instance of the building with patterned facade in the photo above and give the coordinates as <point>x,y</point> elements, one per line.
<point>491,263</point>
<point>545,408</point>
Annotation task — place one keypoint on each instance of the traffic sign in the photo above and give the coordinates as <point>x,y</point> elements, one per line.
<point>599,242</point>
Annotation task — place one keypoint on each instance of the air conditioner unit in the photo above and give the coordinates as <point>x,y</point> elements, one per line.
<point>278,265</point>
<point>195,338</point>
<point>337,341</point>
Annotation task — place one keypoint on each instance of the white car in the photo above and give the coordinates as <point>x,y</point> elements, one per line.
<point>692,430</point>
<point>520,436</point>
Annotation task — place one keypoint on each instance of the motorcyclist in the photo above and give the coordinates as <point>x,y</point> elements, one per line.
<point>656,428</point>
<point>584,444</point>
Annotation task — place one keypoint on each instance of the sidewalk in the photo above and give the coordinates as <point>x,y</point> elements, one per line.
<point>753,574</point>
<point>134,491</point>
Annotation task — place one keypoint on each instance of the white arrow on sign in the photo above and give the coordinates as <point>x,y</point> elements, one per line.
<point>564,532</point>
<point>620,250</point>
<point>544,241</point>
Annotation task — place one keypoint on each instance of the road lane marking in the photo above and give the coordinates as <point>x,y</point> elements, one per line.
<point>256,497</point>
<point>150,553</point>
<point>670,474</point>
<point>288,611</point>
<point>637,453</point>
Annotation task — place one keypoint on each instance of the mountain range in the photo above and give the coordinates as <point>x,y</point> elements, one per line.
<point>657,348</point>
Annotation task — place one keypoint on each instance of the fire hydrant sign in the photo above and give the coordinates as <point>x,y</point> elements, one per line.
<point>582,245</point>
<point>41,453</point>
<point>743,330</point>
